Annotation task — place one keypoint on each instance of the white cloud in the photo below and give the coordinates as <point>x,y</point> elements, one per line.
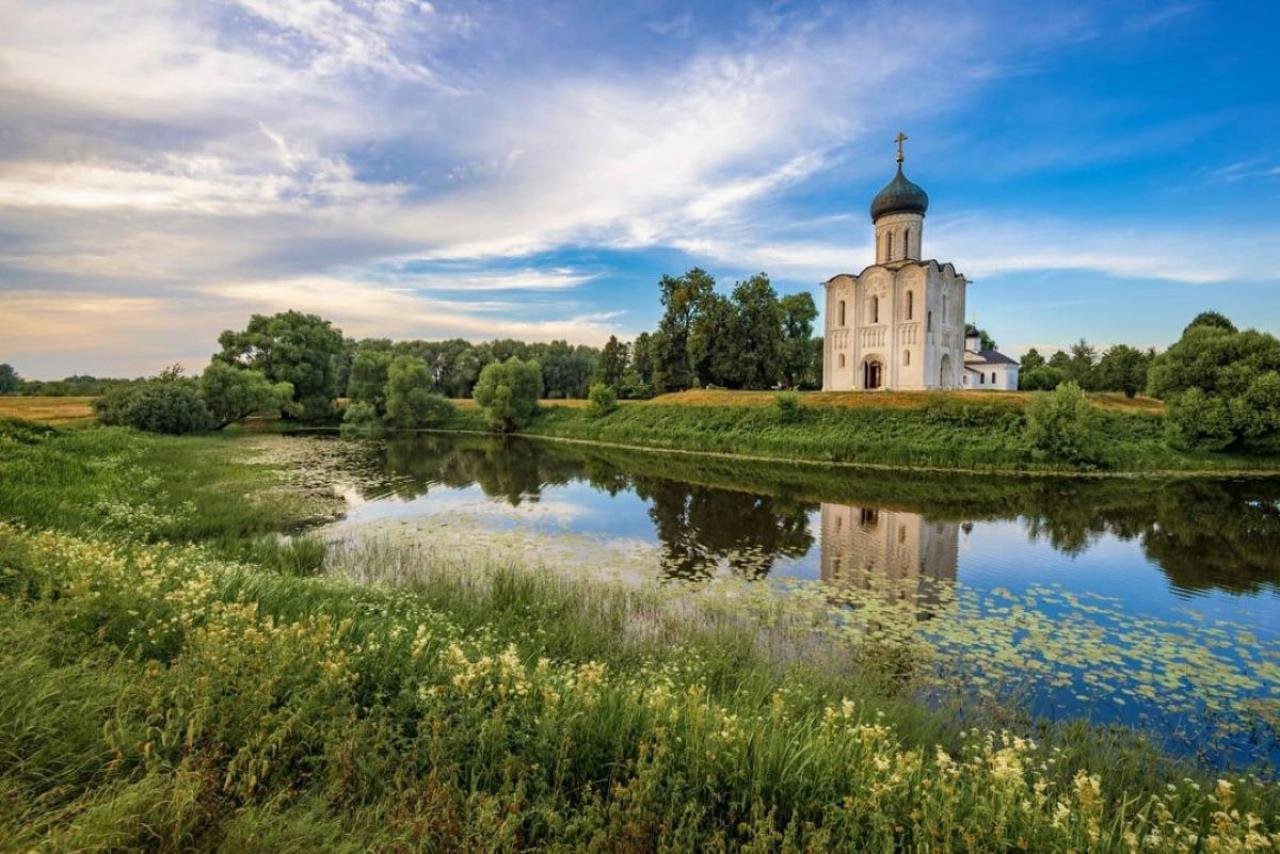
<point>368,310</point>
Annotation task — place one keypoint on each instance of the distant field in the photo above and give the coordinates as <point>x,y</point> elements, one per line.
<point>48,410</point>
<point>884,399</point>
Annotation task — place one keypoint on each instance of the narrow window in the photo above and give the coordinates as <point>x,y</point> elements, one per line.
<point>911,304</point>
<point>902,533</point>
<point>982,379</point>
<point>842,312</point>
<point>906,243</point>
<point>944,308</point>
<point>842,360</point>
<point>888,256</point>
<point>993,377</point>
<point>929,320</point>
<point>875,309</point>
<point>906,357</point>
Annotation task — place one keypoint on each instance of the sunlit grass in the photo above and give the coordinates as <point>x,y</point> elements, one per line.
<point>507,709</point>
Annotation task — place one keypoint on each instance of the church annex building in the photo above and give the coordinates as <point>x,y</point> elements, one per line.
<point>899,324</point>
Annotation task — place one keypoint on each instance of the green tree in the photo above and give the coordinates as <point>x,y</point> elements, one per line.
<point>1122,368</point>
<point>639,382</point>
<point>233,394</point>
<point>682,299</point>
<point>508,392</point>
<point>612,365</point>
<point>798,315</point>
<point>1062,426</point>
<point>410,400</point>
<point>368,379</point>
<point>713,345</point>
<point>1031,360</point>
<point>1043,378</point>
<point>757,333</point>
<point>300,349</point>
<point>602,400</point>
<point>168,403</point>
<point>10,382</point>
<point>1080,368</point>
<point>1211,318</point>
<point>1220,387</point>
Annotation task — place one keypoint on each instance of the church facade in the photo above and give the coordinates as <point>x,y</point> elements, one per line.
<point>899,324</point>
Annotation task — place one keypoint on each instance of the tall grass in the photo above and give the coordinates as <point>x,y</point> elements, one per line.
<point>156,696</point>
<point>944,431</point>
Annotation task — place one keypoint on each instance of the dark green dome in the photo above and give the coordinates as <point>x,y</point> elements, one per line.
<point>899,196</point>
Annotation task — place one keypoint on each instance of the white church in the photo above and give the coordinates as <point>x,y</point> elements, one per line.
<point>899,324</point>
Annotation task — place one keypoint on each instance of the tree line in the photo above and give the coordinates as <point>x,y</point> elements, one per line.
<point>1119,368</point>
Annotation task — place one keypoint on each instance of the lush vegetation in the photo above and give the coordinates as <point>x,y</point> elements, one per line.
<point>1222,385</point>
<point>508,393</point>
<point>172,403</point>
<point>1058,431</point>
<point>156,692</point>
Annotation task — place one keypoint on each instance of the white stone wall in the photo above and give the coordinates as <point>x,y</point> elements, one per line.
<point>899,237</point>
<point>992,377</point>
<point>906,316</point>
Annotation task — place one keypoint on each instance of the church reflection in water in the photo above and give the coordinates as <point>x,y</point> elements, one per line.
<point>896,553</point>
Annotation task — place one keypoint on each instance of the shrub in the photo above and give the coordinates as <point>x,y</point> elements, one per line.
<point>1043,378</point>
<point>410,400</point>
<point>361,421</point>
<point>1222,387</point>
<point>170,403</point>
<point>602,400</point>
<point>508,392</point>
<point>1062,425</point>
<point>787,404</point>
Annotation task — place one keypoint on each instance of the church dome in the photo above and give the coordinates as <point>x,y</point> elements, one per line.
<point>899,196</point>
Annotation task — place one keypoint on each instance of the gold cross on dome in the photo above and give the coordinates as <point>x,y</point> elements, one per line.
<point>900,138</point>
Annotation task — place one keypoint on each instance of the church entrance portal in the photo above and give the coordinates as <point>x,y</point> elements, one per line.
<point>871,374</point>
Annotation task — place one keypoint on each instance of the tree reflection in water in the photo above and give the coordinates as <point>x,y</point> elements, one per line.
<point>711,515</point>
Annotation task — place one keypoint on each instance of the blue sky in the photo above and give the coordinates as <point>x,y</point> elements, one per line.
<point>410,169</point>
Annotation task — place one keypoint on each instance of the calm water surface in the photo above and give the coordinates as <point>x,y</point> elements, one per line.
<point>1200,553</point>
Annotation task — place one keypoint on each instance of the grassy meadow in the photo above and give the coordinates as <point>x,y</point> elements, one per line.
<point>174,676</point>
<point>48,410</point>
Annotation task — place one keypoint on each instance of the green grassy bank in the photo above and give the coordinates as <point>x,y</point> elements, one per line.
<point>162,687</point>
<point>934,431</point>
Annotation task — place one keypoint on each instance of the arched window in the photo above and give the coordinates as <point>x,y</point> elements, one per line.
<point>888,256</point>
<point>929,321</point>
<point>906,357</point>
<point>911,304</point>
<point>944,308</point>
<point>842,312</point>
<point>993,377</point>
<point>906,243</point>
<point>875,310</point>
<point>842,360</point>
